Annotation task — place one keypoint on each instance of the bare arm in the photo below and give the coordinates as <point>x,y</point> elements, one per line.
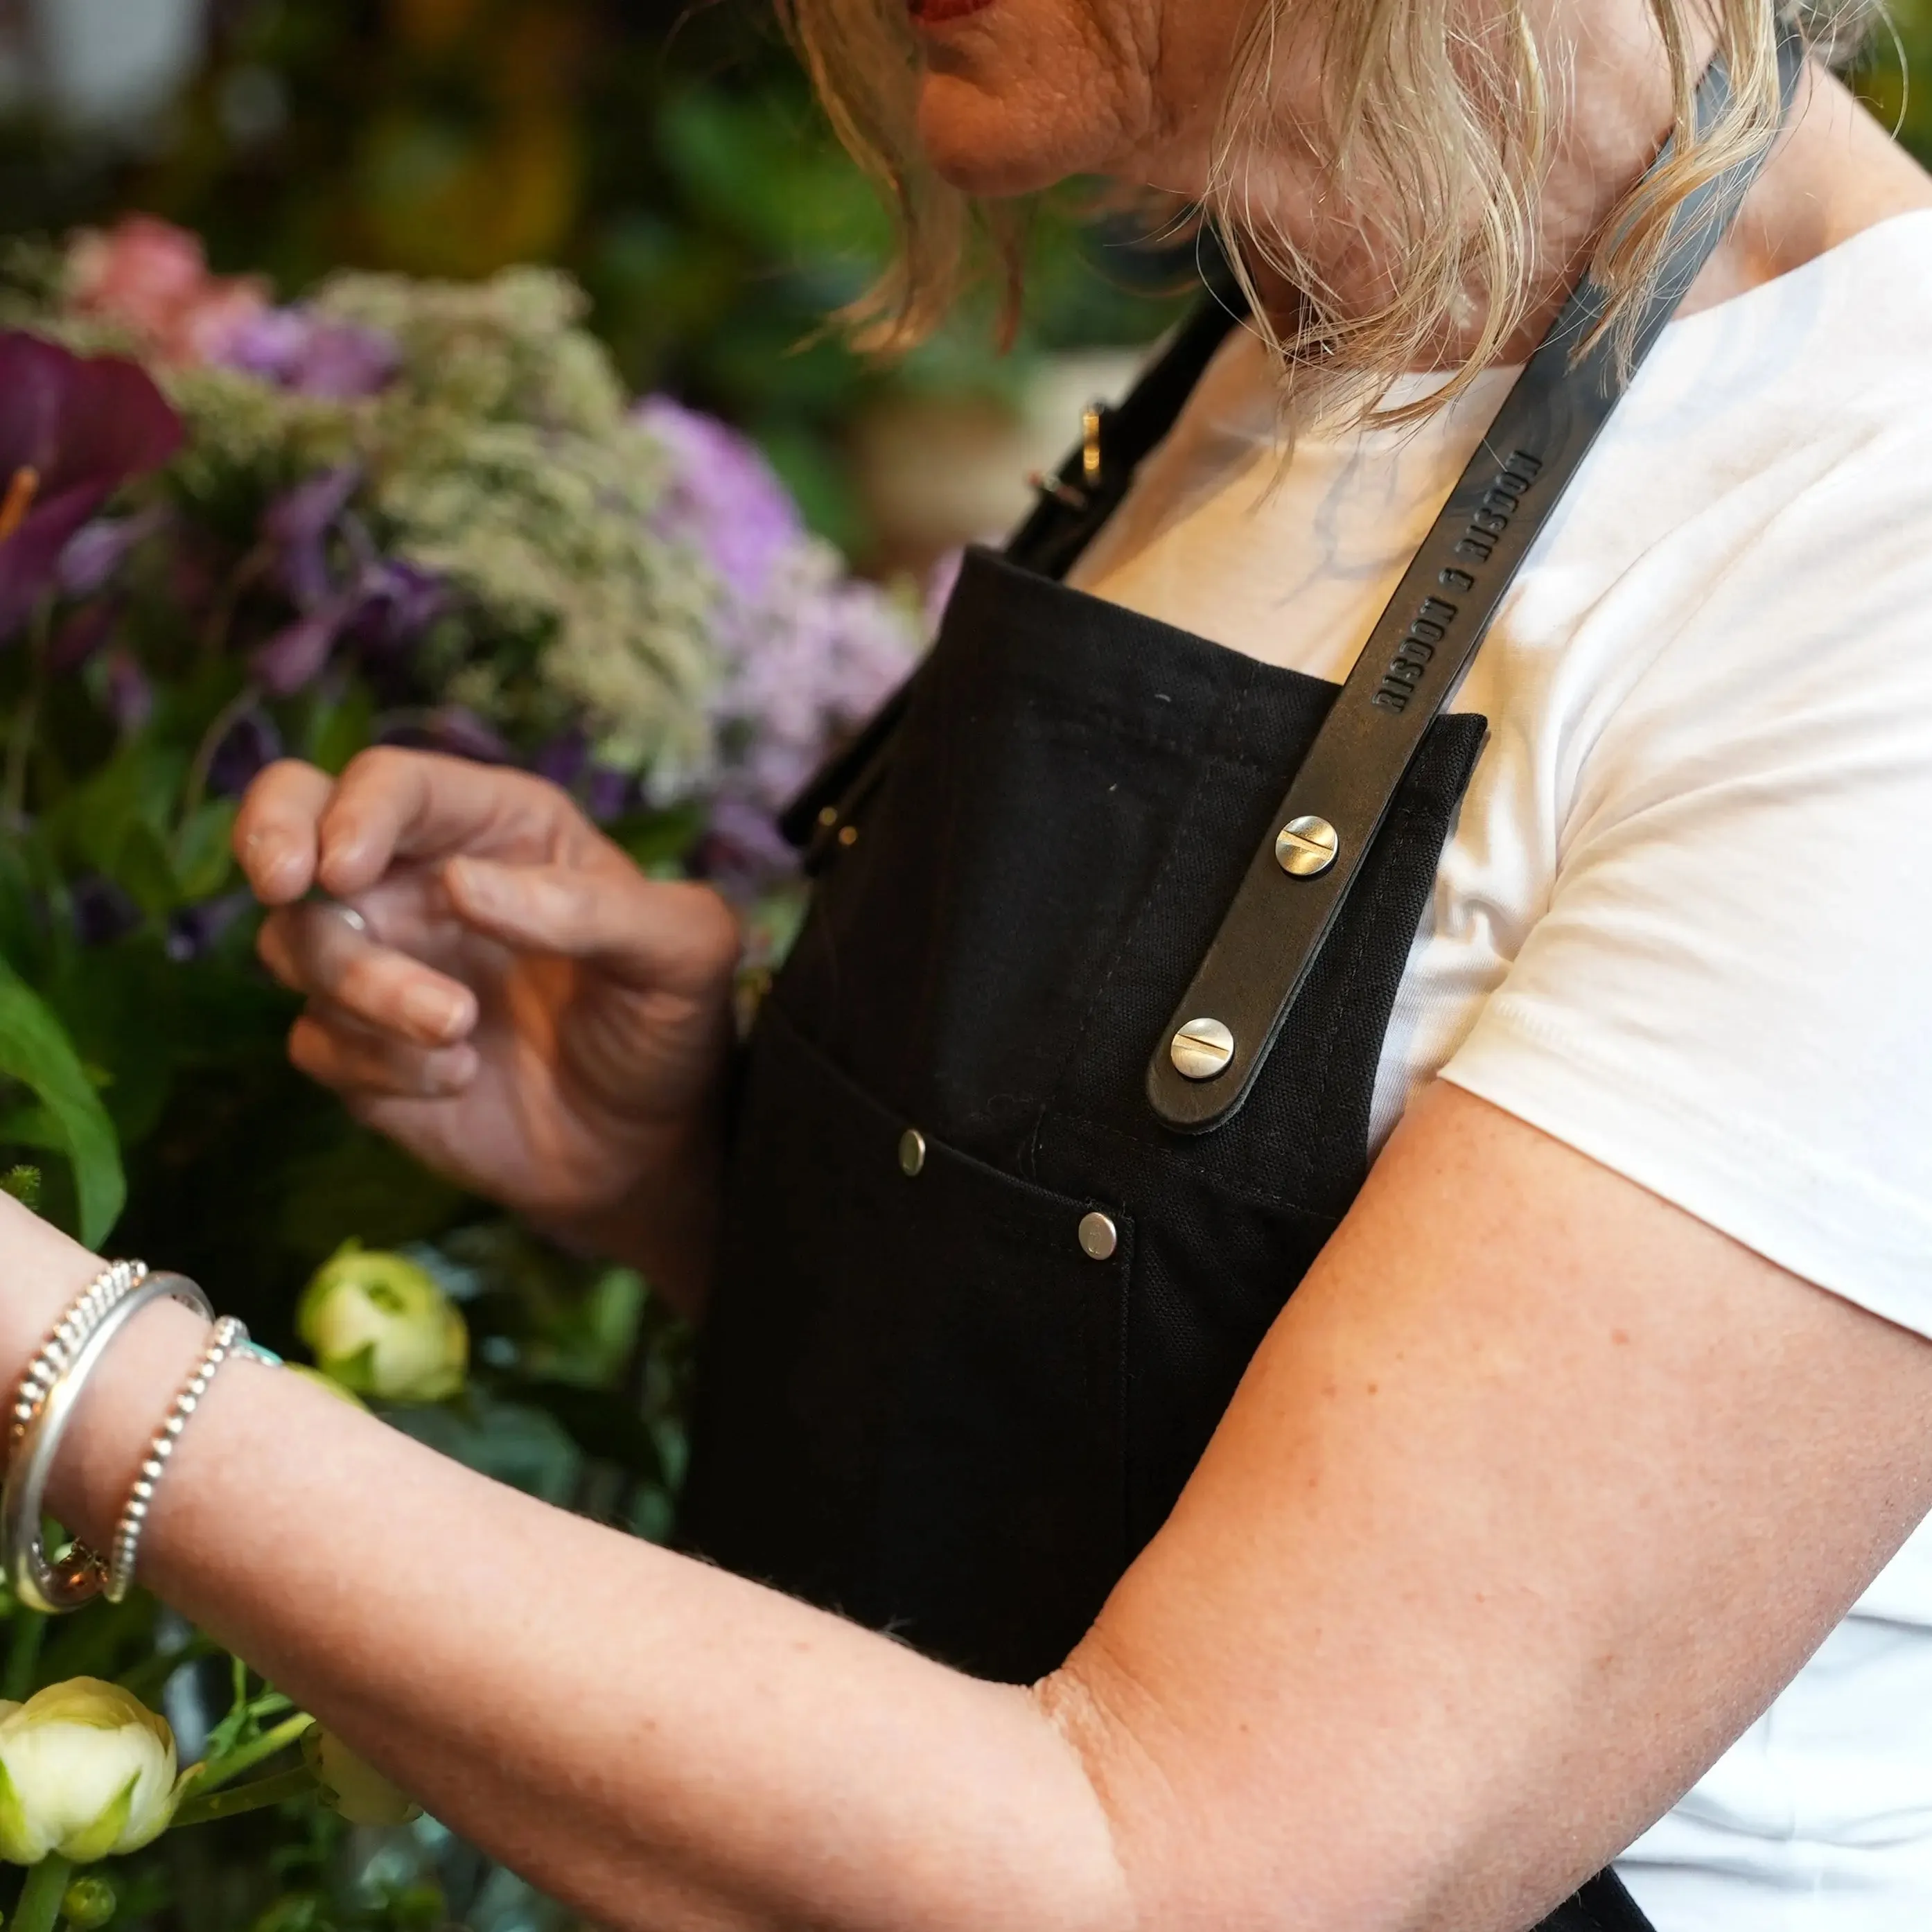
<point>1430,1638</point>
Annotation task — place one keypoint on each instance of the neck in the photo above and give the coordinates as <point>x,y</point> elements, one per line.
<point>1833,173</point>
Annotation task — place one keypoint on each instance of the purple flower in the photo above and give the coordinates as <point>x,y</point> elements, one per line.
<point>723,497</point>
<point>608,794</point>
<point>96,552</point>
<point>294,657</point>
<point>399,603</point>
<point>252,744</point>
<point>562,760</point>
<point>73,431</point>
<point>299,524</point>
<point>298,349</point>
<point>453,728</point>
<point>102,912</point>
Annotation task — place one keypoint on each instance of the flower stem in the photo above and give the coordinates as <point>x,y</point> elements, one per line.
<point>225,720</point>
<point>39,1908</point>
<point>245,1757</point>
<point>256,1797</point>
<point>27,1629</point>
<point>20,740</point>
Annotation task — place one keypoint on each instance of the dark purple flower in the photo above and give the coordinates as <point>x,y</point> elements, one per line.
<point>455,729</point>
<point>298,349</point>
<point>192,931</point>
<point>299,524</point>
<point>608,794</point>
<point>96,552</point>
<point>252,744</point>
<point>73,430</point>
<point>724,497</point>
<point>399,602</point>
<point>102,912</point>
<point>562,760</point>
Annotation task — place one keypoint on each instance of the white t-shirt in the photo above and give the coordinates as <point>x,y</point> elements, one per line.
<point>1684,921</point>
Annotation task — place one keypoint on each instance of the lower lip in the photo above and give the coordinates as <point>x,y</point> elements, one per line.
<point>942,12</point>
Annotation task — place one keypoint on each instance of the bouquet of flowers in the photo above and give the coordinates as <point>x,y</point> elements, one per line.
<point>231,530</point>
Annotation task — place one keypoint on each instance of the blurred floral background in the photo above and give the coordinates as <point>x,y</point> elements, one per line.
<point>449,373</point>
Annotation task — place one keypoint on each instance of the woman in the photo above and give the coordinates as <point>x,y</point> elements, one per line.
<point>1600,1403</point>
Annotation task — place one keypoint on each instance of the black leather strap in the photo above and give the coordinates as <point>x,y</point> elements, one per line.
<point>1411,665</point>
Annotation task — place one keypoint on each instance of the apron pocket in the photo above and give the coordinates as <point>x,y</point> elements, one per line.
<point>912,1389</point>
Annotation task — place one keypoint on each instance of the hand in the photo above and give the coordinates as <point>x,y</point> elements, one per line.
<point>498,988</point>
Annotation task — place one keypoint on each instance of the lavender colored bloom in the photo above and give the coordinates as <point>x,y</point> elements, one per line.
<point>298,349</point>
<point>194,929</point>
<point>298,523</point>
<point>102,912</point>
<point>295,656</point>
<point>252,744</point>
<point>96,552</point>
<point>724,497</point>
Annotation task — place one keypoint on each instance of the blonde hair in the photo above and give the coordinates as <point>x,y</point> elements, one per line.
<point>1424,113</point>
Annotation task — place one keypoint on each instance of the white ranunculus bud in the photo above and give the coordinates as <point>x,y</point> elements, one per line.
<point>380,1326</point>
<point>352,1787</point>
<point>87,1770</point>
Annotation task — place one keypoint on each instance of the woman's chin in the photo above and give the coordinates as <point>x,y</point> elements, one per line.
<point>989,147</point>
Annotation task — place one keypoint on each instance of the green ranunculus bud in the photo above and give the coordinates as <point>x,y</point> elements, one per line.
<point>356,1789</point>
<point>379,1325</point>
<point>86,1770</point>
<point>88,1903</point>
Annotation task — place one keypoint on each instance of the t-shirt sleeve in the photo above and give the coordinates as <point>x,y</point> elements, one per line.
<point>1728,999</point>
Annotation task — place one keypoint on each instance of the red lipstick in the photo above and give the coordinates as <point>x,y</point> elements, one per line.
<point>937,13</point>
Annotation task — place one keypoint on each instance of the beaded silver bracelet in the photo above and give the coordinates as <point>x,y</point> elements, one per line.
<point>230,1337</point>
<point>81,1574</point>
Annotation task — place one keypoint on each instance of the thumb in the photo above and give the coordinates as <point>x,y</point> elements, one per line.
<point>643,932</point>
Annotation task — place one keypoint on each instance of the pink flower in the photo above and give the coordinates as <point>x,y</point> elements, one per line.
<point>152,278</point>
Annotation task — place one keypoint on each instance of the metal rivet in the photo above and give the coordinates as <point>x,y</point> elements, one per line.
<point>1307,847</point>
<point>1099,1239</point>
<point>912,1153</point>
<point>848,836</point>
<point>1202,1049</point>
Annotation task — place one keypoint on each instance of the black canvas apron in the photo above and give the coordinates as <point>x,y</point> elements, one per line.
<point>983,1295</point>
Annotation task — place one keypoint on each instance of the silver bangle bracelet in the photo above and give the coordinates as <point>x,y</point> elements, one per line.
<point>230,1337</point>
<point>53,1589</point>
<point>112,1284</point>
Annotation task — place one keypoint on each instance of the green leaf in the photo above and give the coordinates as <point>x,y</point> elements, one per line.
<point>202,862</point>
<point>35,1051</point>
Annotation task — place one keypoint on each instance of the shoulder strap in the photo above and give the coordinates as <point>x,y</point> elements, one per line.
<point>1222,1033</point>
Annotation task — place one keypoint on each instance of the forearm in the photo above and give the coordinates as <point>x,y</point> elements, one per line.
<point>655,1741</point>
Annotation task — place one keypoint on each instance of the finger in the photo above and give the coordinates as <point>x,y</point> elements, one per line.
<point>331,1047</point>
<point>392,804</point>
<point>275,837</point>
<point>313,949</point>
<point>644,931</point>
